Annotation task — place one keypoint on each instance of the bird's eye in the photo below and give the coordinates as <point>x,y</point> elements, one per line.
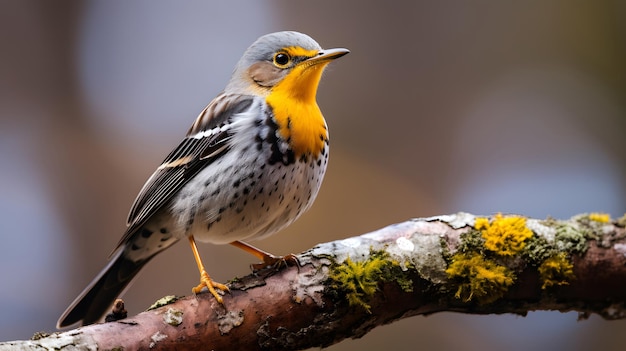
<point>281,59</point>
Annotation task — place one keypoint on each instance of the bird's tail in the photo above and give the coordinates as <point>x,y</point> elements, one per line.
<point>94,301</point>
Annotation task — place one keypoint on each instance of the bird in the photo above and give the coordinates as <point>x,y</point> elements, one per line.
<point>250,164</point>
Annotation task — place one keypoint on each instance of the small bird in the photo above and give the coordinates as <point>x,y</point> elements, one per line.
<point>250,165</point>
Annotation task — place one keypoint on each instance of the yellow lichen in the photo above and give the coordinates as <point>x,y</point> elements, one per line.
<point>479,278</point>
<point>621,221</point>
<point>505,236</point>
<point>481,223</point>
<point>556,270</point>
<point>360,279</point>
<point>600,217</point>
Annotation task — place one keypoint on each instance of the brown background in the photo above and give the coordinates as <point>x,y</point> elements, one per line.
<point>464,106</point>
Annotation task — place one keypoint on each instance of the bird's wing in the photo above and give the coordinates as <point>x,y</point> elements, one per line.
<point>206,141</point>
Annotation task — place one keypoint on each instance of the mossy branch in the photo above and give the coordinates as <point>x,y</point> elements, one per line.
<point>343,289</point>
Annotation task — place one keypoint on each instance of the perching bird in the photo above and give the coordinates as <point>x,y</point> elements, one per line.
<point>250,165</point>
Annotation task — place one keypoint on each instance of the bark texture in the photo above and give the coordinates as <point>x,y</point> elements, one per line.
<point>343,289</point>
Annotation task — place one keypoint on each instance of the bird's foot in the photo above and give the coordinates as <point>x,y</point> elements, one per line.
<point>277,262</point>
<point>206,281</point>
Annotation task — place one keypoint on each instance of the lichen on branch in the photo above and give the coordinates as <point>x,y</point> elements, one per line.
<point>343,289</point>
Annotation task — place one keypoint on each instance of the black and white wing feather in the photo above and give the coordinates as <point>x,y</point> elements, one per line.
<point>207,140</point>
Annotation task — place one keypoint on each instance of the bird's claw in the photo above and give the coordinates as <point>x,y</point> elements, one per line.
<point>206,281</point>
<point>276,262</point>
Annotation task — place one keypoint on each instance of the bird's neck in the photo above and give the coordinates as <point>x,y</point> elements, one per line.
<point>300,123</point>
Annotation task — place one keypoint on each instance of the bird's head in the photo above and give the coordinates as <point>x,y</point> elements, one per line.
<point>286,62</point>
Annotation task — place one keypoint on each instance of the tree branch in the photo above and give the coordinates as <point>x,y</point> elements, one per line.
<point>343,289</point>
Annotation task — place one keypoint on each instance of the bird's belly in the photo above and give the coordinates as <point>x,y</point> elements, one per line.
<point>225,204</point>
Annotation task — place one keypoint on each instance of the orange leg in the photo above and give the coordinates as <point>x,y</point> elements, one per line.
<point>205,280</point>
<point>267,258</point>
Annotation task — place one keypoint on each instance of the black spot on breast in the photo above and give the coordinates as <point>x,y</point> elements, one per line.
<point>276,155</point>
<point>145,233</point>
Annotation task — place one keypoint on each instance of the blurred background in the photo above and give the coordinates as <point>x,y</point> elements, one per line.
<point>477,106</point>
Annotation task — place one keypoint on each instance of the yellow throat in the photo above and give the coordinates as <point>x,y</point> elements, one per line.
<point>299,119</point>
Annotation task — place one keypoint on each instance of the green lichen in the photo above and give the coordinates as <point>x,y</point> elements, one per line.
<point>479,279</point>
<point>406,284</point>
<point>538,249</point>
<point>590,223</point>
<point>39,335</point>
<point>556,271</point>
<point>173,317</point>
<point>571,238</point>
<point>400,274</point>
<point>165,300</point>
<point>472,241</point>
<point>359,280</point>
<point>621,222</point>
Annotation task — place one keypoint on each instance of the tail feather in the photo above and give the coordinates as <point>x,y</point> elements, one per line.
<point>96,299</point>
